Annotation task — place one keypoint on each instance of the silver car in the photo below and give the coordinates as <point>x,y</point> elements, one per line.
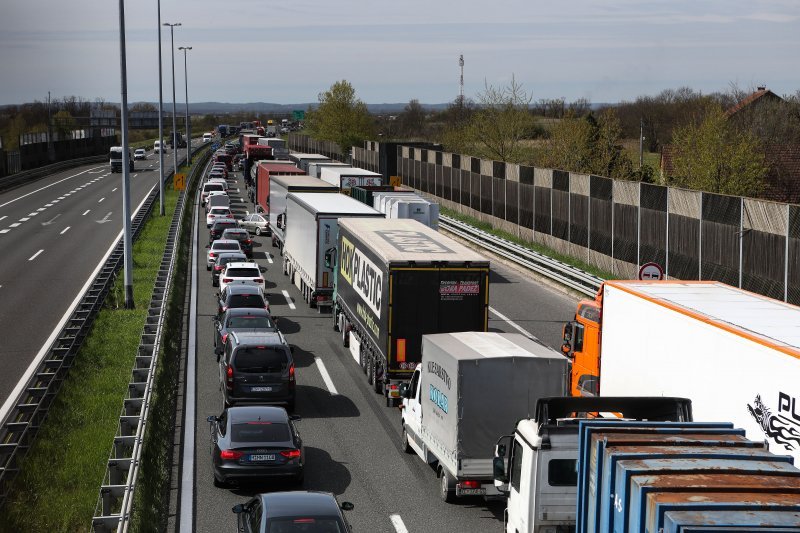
<point>255,223</point>
<point>220,246</point>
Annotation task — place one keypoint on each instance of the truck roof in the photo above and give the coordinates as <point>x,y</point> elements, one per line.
<point>408,240</point>
<point>469,345</point>
<point>282,166</point>
<point>761,319</point>
<point>304,180</point>
<point>301,155</point>
<point>348,171</point>
<point>327,203</point>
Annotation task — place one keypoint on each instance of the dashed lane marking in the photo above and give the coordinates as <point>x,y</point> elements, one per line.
<point>4,230</point>
<point>45,187</point>
<point>114,189</point>
<point>4,216</point>
<point>86,212</point>
<point>288,299</point>
<point>101,199</point>
<point>34,256</point>
<point>325,376</point>
<point>24,219</point>
<point>63,231</point>
<point>398,524</point>
<point>14,225</point>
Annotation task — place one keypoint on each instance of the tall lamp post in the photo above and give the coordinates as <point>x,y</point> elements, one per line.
<point>126,177</point>
<point>188,126</point>
<point>160,123</point>
<point>174,119</point>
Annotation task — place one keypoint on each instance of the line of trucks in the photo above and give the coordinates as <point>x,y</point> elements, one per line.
<point>601,436</point>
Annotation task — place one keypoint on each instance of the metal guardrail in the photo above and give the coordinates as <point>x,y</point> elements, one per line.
<point>565,274</point>
<point>12,180</point>
<point>115,502</point>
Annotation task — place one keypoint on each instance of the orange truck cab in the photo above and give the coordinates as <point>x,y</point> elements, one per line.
<point>582,346</point>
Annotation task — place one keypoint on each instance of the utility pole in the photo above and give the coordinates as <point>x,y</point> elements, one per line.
<point>160,123</point>
<point>461,83</point>
<point>188,126</point>
<point>51,156</point>
<point>641,142</point>
<point>174,118</point>
<point>126,176</point>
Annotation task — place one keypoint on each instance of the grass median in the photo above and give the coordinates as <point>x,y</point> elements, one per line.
<point>60,477</point>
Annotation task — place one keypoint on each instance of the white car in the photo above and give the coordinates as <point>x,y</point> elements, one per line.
<point>211,194</point>
<point>221,246</point>
<point>209,187</point>
<point>221,181</point>
<point>140,153</point>
<point>217,213</point>
<point>241,274</point>
<point>207,137</point>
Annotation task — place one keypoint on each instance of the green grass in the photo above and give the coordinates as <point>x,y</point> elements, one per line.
<point>60,477</point>
<point>486,226</point>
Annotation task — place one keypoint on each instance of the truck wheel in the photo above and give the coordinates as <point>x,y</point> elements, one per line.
<point>447,487</point>
<point>377,383</point>
<point>335,320</point>
<point>345,337</point>
<point>370,371</point>
<point>404,442</point>
<point>274,244</point>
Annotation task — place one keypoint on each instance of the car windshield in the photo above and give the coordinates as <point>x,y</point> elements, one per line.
<point>260,359</point>
<point>252,322</point>
<point>304,524</point>
<point>226,246</point>
<point>260,432</point>
<point>246,300</point>
<point>239,272</point>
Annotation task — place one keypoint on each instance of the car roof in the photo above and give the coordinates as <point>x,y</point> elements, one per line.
<point>288,504</point>
<point>227,241</point>
<point>249,337</point>
<point>264,413</point>
<point>226,255</point>
<point>224,222</point>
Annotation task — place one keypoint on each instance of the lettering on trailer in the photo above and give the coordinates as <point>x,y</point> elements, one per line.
<point>414,242</point>
<point>438,398</point>
<point>784,427</point>
<point>362,275</point>
<point>437,370</point>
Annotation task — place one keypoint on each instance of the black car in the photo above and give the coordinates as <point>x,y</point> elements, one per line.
<point>297,511</point>
<point>255,443</point>
<point>243,236</point>
<point>221,261</point>
<point>257,368</point>
<point>241,319</point>
<point>218,227</point>
<point>241,295</point>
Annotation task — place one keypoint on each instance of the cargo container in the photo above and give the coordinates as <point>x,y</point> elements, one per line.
<point>279,187</point>
<point>366,194</point>
<point>379,198</point>
<point>450,415</point>
<point>315,167</point>
<point>397,280</point>
<point>253,153</point>
<point>279,149</point>
<point>265,169</point>
<point>743,350</point>
<point>417,209</point>
<point>302,159</point>
<point>347,177</point>
<point>310,231</point>
<point>718,521</point>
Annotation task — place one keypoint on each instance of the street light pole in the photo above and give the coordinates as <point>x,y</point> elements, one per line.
<point>126,176</point>
<point>188,126</point>
<point>174,119</point>
<point>160,123</point>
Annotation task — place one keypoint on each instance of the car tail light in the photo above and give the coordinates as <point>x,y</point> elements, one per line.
<point>224,338</point>
<point>211,216</point>
<point>227,280</point>
<point>230,455</point>
<point>470,484</point>
<point>291,376</point>
<point>212,254</point>
<point>224,308</point>
<point>248,241</point>
<point>258,280</point>
<point>217,267</point>
<point>229,377</point>
<point>291,454</point>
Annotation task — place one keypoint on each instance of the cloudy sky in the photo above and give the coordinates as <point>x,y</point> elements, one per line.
<point>289,51</point>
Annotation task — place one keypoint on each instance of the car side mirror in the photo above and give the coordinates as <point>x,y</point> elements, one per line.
<point>291,349</point>
<point>405,390</point>
<point>212,419</point>
<point>295,418</point>
<point>499,470</point>
<point>346,506</point>
<point>238,508</point>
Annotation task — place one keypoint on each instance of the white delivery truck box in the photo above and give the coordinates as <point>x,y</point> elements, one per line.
<point>417,209</point>
<point>315,167</point>
<point>279,187</point>
<point>302,159</point>
<point>347,177</point>
<point>379,199</point>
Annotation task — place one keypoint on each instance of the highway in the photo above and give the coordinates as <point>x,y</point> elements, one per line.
<point>352,439</point>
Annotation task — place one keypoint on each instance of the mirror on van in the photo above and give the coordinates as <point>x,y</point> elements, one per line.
<point>499,470</point>
<point>405,390</point>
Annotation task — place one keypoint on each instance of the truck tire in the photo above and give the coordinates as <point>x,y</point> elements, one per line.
<point>345,337</point>
<point>404,445</point>
<point>370,371</point>
<point>335,320</point>
<point>447,487</point>
<point>377,383</point>
<point>274,244</point>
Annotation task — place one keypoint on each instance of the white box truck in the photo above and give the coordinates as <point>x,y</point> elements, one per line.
<point>311,230</point>
<point>279,187</point>
<point>380,198</point>
<point>315,167</point>
<point>347,177</point>
<point>468,390</point>
<point>302,159</point>
<point>736,354</point>
<point>417,209</point>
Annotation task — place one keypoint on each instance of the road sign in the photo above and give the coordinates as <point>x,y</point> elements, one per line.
<point>179,182</point>
<point>298,114</point>
<point>395,181</point>
<point>651,272</point>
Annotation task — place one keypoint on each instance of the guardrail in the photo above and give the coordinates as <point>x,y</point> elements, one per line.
<point>115,502</point>
<point>565,274</point>
<point>12,180</point>
<point>29,410</point>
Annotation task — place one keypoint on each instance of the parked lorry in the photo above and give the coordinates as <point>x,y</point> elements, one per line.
<point>366,194</point>
<point>650,468</point>
<point>279,188</point>
<point>311,227</point>
<point>253,153</point>
<point>279,148</point>
<point>347,177</point>
<point>743,350</point>
<point>403,205</point>
<point>264,170</point>
<point>468,390</point>
<point>315,167</point>
<point>397,280</point>
<point>115,159</point>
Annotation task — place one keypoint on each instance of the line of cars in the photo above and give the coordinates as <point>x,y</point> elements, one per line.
<point>255,437</point>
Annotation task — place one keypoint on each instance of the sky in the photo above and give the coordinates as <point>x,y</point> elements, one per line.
<point>289,51</point>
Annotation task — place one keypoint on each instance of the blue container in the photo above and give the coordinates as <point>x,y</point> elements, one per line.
<point>681,521</point>
<point>738,529</point>
<point>590,479</point>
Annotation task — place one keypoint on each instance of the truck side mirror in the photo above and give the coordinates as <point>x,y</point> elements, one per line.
<point>330,258</point>
<point>499,465</point>
<point>405,390</point>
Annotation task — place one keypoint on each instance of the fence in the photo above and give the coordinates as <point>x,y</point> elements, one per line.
<point>35,152</point>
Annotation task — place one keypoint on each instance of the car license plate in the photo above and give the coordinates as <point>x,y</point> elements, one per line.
<point>270,457</point>
<point>261,389</point>
<point>471,492</point>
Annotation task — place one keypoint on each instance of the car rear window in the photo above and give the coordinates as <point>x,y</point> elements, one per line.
<point>255,322</point>
<point>226,246</point>
<point>260,432</point>
<point>304,524</point>
<point>235,259</point>
<point>212,187</point>
<point>245,300</point>
<point>221,226</point>
<point>260,359</point>
<point>238,236</point>
<point>243,273</point>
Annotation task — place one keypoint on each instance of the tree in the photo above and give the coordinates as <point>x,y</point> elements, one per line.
<point>340,117</point>
<point>608,155</point>
<point>711,155</point>
<point>569,146</point>
<point>412,120</point>
<point>63,124</point>
<point>144,107</point>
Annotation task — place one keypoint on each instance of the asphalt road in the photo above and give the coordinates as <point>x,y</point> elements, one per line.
<point>352,439</point>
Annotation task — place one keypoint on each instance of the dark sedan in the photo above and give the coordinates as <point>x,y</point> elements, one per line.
<point>218,227</point>
<point>221,261</point>
<point>240,319</point>
<point>241,235</point>
<point>293,512</point>
<point>257,442</point>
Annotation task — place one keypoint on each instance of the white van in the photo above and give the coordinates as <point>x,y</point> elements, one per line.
<point>207,137</point>
<point>157,147</point>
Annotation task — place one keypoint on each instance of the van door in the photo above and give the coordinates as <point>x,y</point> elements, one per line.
<point>413,410</point>
<point>520,501</point>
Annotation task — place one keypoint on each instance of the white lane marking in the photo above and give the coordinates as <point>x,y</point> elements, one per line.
<point>61,197</point>
<point>45,187</point>
<point>22,383</point>
<point>325,376</point>
<point>269,258</point>
<point>288,299</point>
<point>56,201</point>
<point>65,230</point>
<point>86,212</point>
<point>48,205</point>
<point>398,524</point>
<point>33,214</point>
<point>40,209</point>
<point>4,230</point>
<point>51,220</point>
<point>513,324</point>
<point>34,256</point>
<point>114,189</point>
<point>134,175</point>
<point>24,219</point>
<point>187,469</point>
<point>101,199</point>
<point>14,225</point>
<point>4,216</point>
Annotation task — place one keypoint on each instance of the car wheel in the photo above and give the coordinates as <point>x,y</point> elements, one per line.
<point>404,445</point>
<point>208,267</point>
<point>219,483</point>
<point>345,336</point>
<point>446,488</point>
<point>258,232</point>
